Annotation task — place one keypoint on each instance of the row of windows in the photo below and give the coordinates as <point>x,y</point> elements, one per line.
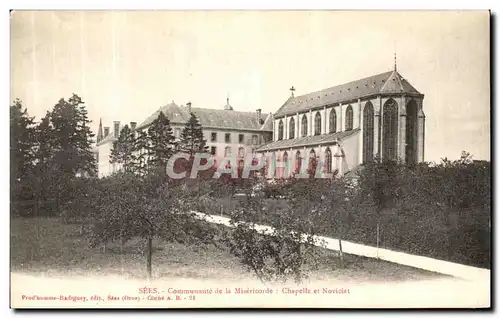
<point>241,138</point>
<point>327,164</point>
<point>227,151</point>
<point>317,124</point>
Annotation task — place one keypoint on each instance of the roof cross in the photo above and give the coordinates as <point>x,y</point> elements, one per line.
<point>292,89</point>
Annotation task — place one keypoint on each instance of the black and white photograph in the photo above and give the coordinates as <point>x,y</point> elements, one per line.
<point>250,159</point>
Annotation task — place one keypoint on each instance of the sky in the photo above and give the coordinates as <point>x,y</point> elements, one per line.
<point>127,64</point>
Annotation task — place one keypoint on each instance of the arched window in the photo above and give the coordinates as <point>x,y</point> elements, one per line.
<point>298,162</point>
<point>348,118</point>
<point>368,132</point>
<point>291,128</point>
<point>280,130</point>
<point>328,160</point>
<point>227,154</point>
<point>304,126</point>
<point>333,121</point>
<point>390,130</point>
<point>411,132</point>
<point>285,160</point>
<point>312,162</point>
<point>317,124</point>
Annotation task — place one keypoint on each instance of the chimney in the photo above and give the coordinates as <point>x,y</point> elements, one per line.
<point>117,128</point>
<point>259,116</point>
<point>133,124</point>
<point>106,132</point>
<point>189,107</point>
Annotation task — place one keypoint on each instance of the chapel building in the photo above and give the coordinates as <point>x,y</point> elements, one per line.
<point>344,126</point>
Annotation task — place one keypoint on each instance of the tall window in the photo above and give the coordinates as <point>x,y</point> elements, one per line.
<point>213,150</point>
<point>328,160</point>
<point>228,137</point>
<point>317,124</point>
<point>241,152</point>
<point>333,121</point>
<point>241,138</point>
<point>304,125</point>
<point>298,162</point>
<point>390,130</point>
<point>291,128</point>
<point>348,118</point>
<point>368,132</point>
<point>280,130</point>
<point>312,162</point>
<point>411,132</point>
<point>285,160</point>
<point>213,137</point>
<point>177,132</point>
<point>227,151</point>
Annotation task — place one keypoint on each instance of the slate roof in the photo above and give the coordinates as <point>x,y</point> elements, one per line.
<point>385,83</point>
<point>212,118</point>
<point>307,141</point>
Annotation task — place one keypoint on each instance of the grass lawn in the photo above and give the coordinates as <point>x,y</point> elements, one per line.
<point>49,247</point>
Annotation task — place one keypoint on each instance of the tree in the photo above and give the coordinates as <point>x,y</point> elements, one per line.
<point>73,137</point>
<point>287,249</point>
<point>22,151</point>
<point>122,152</point>
<point>140,153</point>
<point>146,207</point>
<point>161,143</point>
<point>46,173</point>
<point>21,142</point>
<point>192,140</point>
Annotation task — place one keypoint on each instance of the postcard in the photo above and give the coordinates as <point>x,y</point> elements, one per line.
<point>250,159</point>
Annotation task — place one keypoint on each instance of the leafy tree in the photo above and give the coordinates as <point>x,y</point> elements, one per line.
<point>122,152</point>
<point>146,207</point>
<point>285,251</point>
<point>21,142</point>
<point>161,143</point>
<point>140,152</point>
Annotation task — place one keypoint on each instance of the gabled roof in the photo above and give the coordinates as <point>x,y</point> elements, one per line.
<point>212,118</point>
<point>384,83</point>
<point>308,141</point>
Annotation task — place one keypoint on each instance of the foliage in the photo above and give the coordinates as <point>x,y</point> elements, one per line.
<point>280,253</point>
<point>21,142</point>
<point>148,207</point>
<point>161,143</point>
<point>50,155</point>
<point>122,152</point>
<point>192,140</point>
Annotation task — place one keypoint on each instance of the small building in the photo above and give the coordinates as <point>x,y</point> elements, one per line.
<point>347,125</point>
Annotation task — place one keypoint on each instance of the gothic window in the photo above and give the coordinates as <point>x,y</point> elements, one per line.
<point>312,162</point>
<point>298,162</point>
<point>411,132</point>
<point>291,128</point>
<point>317,124</point>
<point>390,130</point>
<point>304,125</point>
<point>280,130</point>
<point>328,160</point>
<point>348,118</point>
<point>368,132</point>
<point>333,121</point>
<point>285,161</point>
